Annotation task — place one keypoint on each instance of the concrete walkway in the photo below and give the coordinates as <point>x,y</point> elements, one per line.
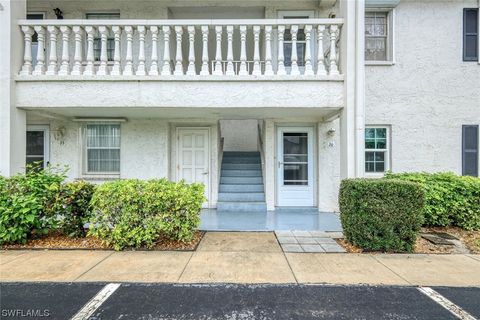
<point>245,257</point>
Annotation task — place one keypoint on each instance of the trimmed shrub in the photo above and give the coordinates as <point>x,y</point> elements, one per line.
<point>134,213</point>
<point>449,199</point>
<point>72,207</point>
<point>381,214</point>
<point>25,200</point>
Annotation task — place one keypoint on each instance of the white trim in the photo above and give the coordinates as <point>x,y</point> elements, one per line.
<point>390,37</point>
<point>46,141</point>
<point>284,14</point>
<point>177,163</point>
<point>84,169</point>
<point>387,150</point>
<point>93,120</point>
<point>312,160</point>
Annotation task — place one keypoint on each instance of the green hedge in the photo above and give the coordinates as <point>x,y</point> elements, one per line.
<point>25,200</point>
<point>72,207</point>
<point>381,214</point>
<point>134,213</point>
<point>40,201</point>
<point>449,199</point>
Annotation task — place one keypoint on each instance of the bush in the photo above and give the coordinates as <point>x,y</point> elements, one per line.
<point>72,207</point>
<point>134,213</point>
<point>449,199</point>
<point>381,214</point>
<point>25,200</point>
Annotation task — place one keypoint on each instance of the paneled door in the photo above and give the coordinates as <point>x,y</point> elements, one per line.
<point>193,151</point>
<point>295,183</point>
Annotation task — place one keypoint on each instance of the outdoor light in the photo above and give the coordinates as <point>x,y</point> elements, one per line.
<point>58,13</point>
<point>331,131</point>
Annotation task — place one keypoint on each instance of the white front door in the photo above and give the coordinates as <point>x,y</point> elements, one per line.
<point>193,151</point>
<point>295,183</point>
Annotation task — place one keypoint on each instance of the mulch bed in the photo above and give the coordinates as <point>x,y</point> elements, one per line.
<point>471,239</point>
<point>62,242</point>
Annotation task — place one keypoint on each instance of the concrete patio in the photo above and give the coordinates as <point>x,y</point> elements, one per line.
<point>309,219</point>
<point>246,257</point>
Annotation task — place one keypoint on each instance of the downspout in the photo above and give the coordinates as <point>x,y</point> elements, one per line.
<point>360,88</point>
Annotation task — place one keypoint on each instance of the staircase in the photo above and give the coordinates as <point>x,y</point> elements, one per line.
<point>241,183</point>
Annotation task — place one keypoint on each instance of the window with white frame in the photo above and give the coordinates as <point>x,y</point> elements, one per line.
<point>97,43</point>
<point>378,36</point>
<point>376,150</point>
<point>102,144</point>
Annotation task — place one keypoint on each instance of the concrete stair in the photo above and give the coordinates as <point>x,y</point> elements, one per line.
<point>241,183</point>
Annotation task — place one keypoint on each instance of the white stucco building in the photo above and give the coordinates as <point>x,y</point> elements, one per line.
<point>270,103</point>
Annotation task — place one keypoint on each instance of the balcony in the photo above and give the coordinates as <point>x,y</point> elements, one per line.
<point>222,58</point>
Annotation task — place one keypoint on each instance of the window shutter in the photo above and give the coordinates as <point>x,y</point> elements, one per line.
<point>470,34</point>
<point>470,150</point>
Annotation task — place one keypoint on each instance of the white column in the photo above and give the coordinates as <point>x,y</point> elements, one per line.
<point>270,166</point>
<point>141,71</point>
<point>191,51</point>
<point>27,55</point>
<point>256,51</point>
<point>128,68</point>
<point>116,69</point>
<point>295,71</point>
<point>204,70</point>
<point>153,71</point>
<point>230,70</point>
<point>90,68</point>
<point>103,69</point>
<point>40,66</point>
<point>333,50</point>
<point>268,51</point>
<point>52,60</point>
<point>65,66</point>
<point>178,58</point>
<point>78,55</point>
<point>243,51</point>
<point>12,119</point>
<point>281,56</point>
<point>218,54</point>
<point>308,51</point>
<point>321,71</point>
<point>166,67</point>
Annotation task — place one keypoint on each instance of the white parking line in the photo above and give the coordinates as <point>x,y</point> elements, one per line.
<point>87,311</point>
<point>447,304</point>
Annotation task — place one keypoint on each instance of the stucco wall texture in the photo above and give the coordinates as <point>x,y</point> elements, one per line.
<point>429,93</point>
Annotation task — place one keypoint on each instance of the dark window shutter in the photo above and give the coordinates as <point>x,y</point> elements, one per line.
<point>470,34</point>
<point>470,150</point>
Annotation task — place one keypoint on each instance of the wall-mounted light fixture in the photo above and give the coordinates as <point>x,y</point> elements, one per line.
<point>331,131</point>
<point>58,13</point>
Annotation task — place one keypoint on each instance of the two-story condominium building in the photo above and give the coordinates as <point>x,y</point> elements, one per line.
<point>269,103</point>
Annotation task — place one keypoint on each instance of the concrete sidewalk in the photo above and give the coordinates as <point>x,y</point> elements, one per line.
<point>246,257</point>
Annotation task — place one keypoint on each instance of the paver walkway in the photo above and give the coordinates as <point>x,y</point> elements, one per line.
<point>309,241</point>
<point>242,257</point>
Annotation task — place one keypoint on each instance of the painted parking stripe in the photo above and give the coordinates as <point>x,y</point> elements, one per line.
<point>447,304</point>
<point>87,311</point>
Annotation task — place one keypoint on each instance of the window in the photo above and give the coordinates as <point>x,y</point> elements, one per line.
<point>97,43</point>
<point>103,148</point>
<point>301,41</point>
<point>376,150</point>
<point>470,150</point>
<point>37,145</point>
<point>470,34</point>
<point>378,39</point>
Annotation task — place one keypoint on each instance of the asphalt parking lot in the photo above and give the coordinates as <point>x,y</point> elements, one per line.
<point>228,301</point>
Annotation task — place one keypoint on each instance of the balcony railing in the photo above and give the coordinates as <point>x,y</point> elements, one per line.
<point>201,48</point>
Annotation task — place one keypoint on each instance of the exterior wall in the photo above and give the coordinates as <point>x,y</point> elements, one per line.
<point>240,135</point>
<point>143,154</point>
<point>429,92</point>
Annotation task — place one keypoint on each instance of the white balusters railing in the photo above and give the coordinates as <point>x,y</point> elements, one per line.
<point>248,48</point>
